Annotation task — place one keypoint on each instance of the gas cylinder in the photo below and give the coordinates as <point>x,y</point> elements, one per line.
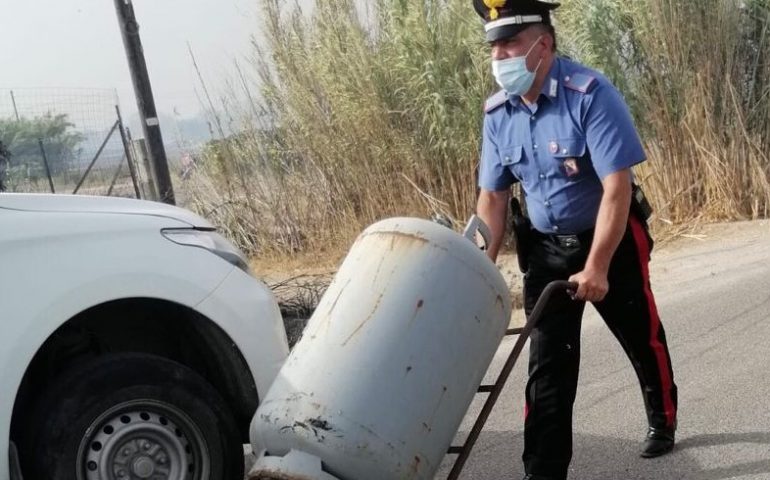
<point>389,362</point>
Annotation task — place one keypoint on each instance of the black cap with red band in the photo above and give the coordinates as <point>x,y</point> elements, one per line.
<point>506,18</point>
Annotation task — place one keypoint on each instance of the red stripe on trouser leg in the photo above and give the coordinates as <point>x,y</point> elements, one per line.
<point>643,250</point>
<point>526,410</point>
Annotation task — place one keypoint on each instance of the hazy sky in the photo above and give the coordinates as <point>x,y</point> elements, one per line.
<point>77,43</point>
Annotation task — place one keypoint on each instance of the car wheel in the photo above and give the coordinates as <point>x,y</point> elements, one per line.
<point>134,416</point>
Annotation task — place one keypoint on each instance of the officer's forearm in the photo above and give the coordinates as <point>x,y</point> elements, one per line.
<point>492,208</point>
<point>611,221</point>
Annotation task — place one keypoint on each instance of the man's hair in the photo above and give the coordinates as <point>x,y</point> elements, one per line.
<point>547,28</point>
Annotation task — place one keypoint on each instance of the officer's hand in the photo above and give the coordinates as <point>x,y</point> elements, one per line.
<point>592,285</point>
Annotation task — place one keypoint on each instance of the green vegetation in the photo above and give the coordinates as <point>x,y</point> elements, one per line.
<point>21,138</point>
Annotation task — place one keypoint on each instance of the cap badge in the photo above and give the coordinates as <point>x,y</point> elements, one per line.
<point>493,5</point>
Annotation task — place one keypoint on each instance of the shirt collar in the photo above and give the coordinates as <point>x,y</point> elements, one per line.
<point>550,89</point>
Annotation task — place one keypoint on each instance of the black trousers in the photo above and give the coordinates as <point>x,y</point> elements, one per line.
<point>628,310</point>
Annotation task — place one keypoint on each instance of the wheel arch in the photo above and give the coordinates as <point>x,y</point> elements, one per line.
<point>142,325</point>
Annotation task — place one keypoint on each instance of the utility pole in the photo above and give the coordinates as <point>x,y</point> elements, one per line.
<point>129,29</point>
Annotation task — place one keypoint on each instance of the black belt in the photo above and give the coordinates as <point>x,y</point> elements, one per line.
<point>567,240</point>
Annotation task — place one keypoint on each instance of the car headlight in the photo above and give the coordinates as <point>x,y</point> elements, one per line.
<point>209,240</point>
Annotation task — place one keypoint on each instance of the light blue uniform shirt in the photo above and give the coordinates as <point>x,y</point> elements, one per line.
<point>579,131</point>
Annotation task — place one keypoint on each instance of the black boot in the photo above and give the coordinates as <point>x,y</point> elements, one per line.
<point>531,476</point>
<point>659,442</point>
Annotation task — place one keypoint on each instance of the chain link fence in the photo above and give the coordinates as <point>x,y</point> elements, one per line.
<point>64,141</point>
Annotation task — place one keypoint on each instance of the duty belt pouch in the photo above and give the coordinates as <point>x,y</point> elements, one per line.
<point>639,204</point>
<point>522,234</point>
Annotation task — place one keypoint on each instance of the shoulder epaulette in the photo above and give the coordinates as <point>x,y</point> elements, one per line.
<point>495,101</point>
<point>580,82</point>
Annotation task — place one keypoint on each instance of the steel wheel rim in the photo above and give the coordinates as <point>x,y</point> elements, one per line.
<point>140,440</point>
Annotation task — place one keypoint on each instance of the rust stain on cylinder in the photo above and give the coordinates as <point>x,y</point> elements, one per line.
<point>401,240</point>
<point>415,465</point>
<point>361,325</point>
<point>339,294</point>
<point>420,303</point>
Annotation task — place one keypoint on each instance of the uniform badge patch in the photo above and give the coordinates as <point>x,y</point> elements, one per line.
<point>554,87</point>
<point>553,147</point>
<point>571,167</point>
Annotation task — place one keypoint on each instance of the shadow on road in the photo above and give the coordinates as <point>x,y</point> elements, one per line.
<point>497,456</point>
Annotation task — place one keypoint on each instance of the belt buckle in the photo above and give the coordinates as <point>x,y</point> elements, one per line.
<point>568,241</point>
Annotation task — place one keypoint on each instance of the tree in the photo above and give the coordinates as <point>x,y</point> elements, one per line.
<point>21,138</point>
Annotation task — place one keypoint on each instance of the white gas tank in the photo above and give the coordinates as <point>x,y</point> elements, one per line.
<point>390,361</point>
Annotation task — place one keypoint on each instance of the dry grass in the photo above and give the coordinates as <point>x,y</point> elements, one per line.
<point>356,121</point>
<point>697,74</point>
<point>298,297</point>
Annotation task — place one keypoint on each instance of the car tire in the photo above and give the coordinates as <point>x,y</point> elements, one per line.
<point>126,416</point>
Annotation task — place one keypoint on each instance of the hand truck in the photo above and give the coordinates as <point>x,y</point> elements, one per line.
<point>494,390</point>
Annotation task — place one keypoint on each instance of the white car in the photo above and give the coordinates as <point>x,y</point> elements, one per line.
<point>134,342</point>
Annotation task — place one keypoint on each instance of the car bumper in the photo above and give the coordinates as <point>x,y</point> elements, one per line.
<point>247,311</point>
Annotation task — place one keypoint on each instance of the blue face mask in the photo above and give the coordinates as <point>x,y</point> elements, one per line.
<point>512,73</point>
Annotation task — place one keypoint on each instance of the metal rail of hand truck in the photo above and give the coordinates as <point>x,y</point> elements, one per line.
<point>494,390</point>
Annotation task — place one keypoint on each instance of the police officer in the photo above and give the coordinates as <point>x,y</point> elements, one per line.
<point>565,134</point>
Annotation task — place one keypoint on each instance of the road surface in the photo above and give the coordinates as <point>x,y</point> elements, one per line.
<point>714,300</point>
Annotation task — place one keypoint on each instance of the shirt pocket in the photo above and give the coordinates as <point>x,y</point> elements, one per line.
<point>511,158</point>
<point>570,156</point>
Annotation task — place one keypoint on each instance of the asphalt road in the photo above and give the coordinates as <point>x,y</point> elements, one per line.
<point>714,300</point>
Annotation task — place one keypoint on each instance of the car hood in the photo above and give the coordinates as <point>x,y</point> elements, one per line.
<point>106,205</point>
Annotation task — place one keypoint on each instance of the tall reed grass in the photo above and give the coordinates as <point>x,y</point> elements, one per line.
<point>359,117</point>
<point>697,74</point>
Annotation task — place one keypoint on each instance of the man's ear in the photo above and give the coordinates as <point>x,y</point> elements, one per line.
<point>547,41</point>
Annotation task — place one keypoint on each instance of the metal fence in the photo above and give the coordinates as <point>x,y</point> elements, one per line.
<point>65,141</point>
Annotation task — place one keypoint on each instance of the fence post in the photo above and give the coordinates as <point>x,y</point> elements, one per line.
<point>143,161</point>
<point>45,163</point>
<point>15,110</point>
<point>96,157</point>
<point>129,29</point>
<point>115,177</point>
<point>123,139</point>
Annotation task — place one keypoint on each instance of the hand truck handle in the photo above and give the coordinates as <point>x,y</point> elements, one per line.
<point>557,286</point>
<point>476,224</point>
